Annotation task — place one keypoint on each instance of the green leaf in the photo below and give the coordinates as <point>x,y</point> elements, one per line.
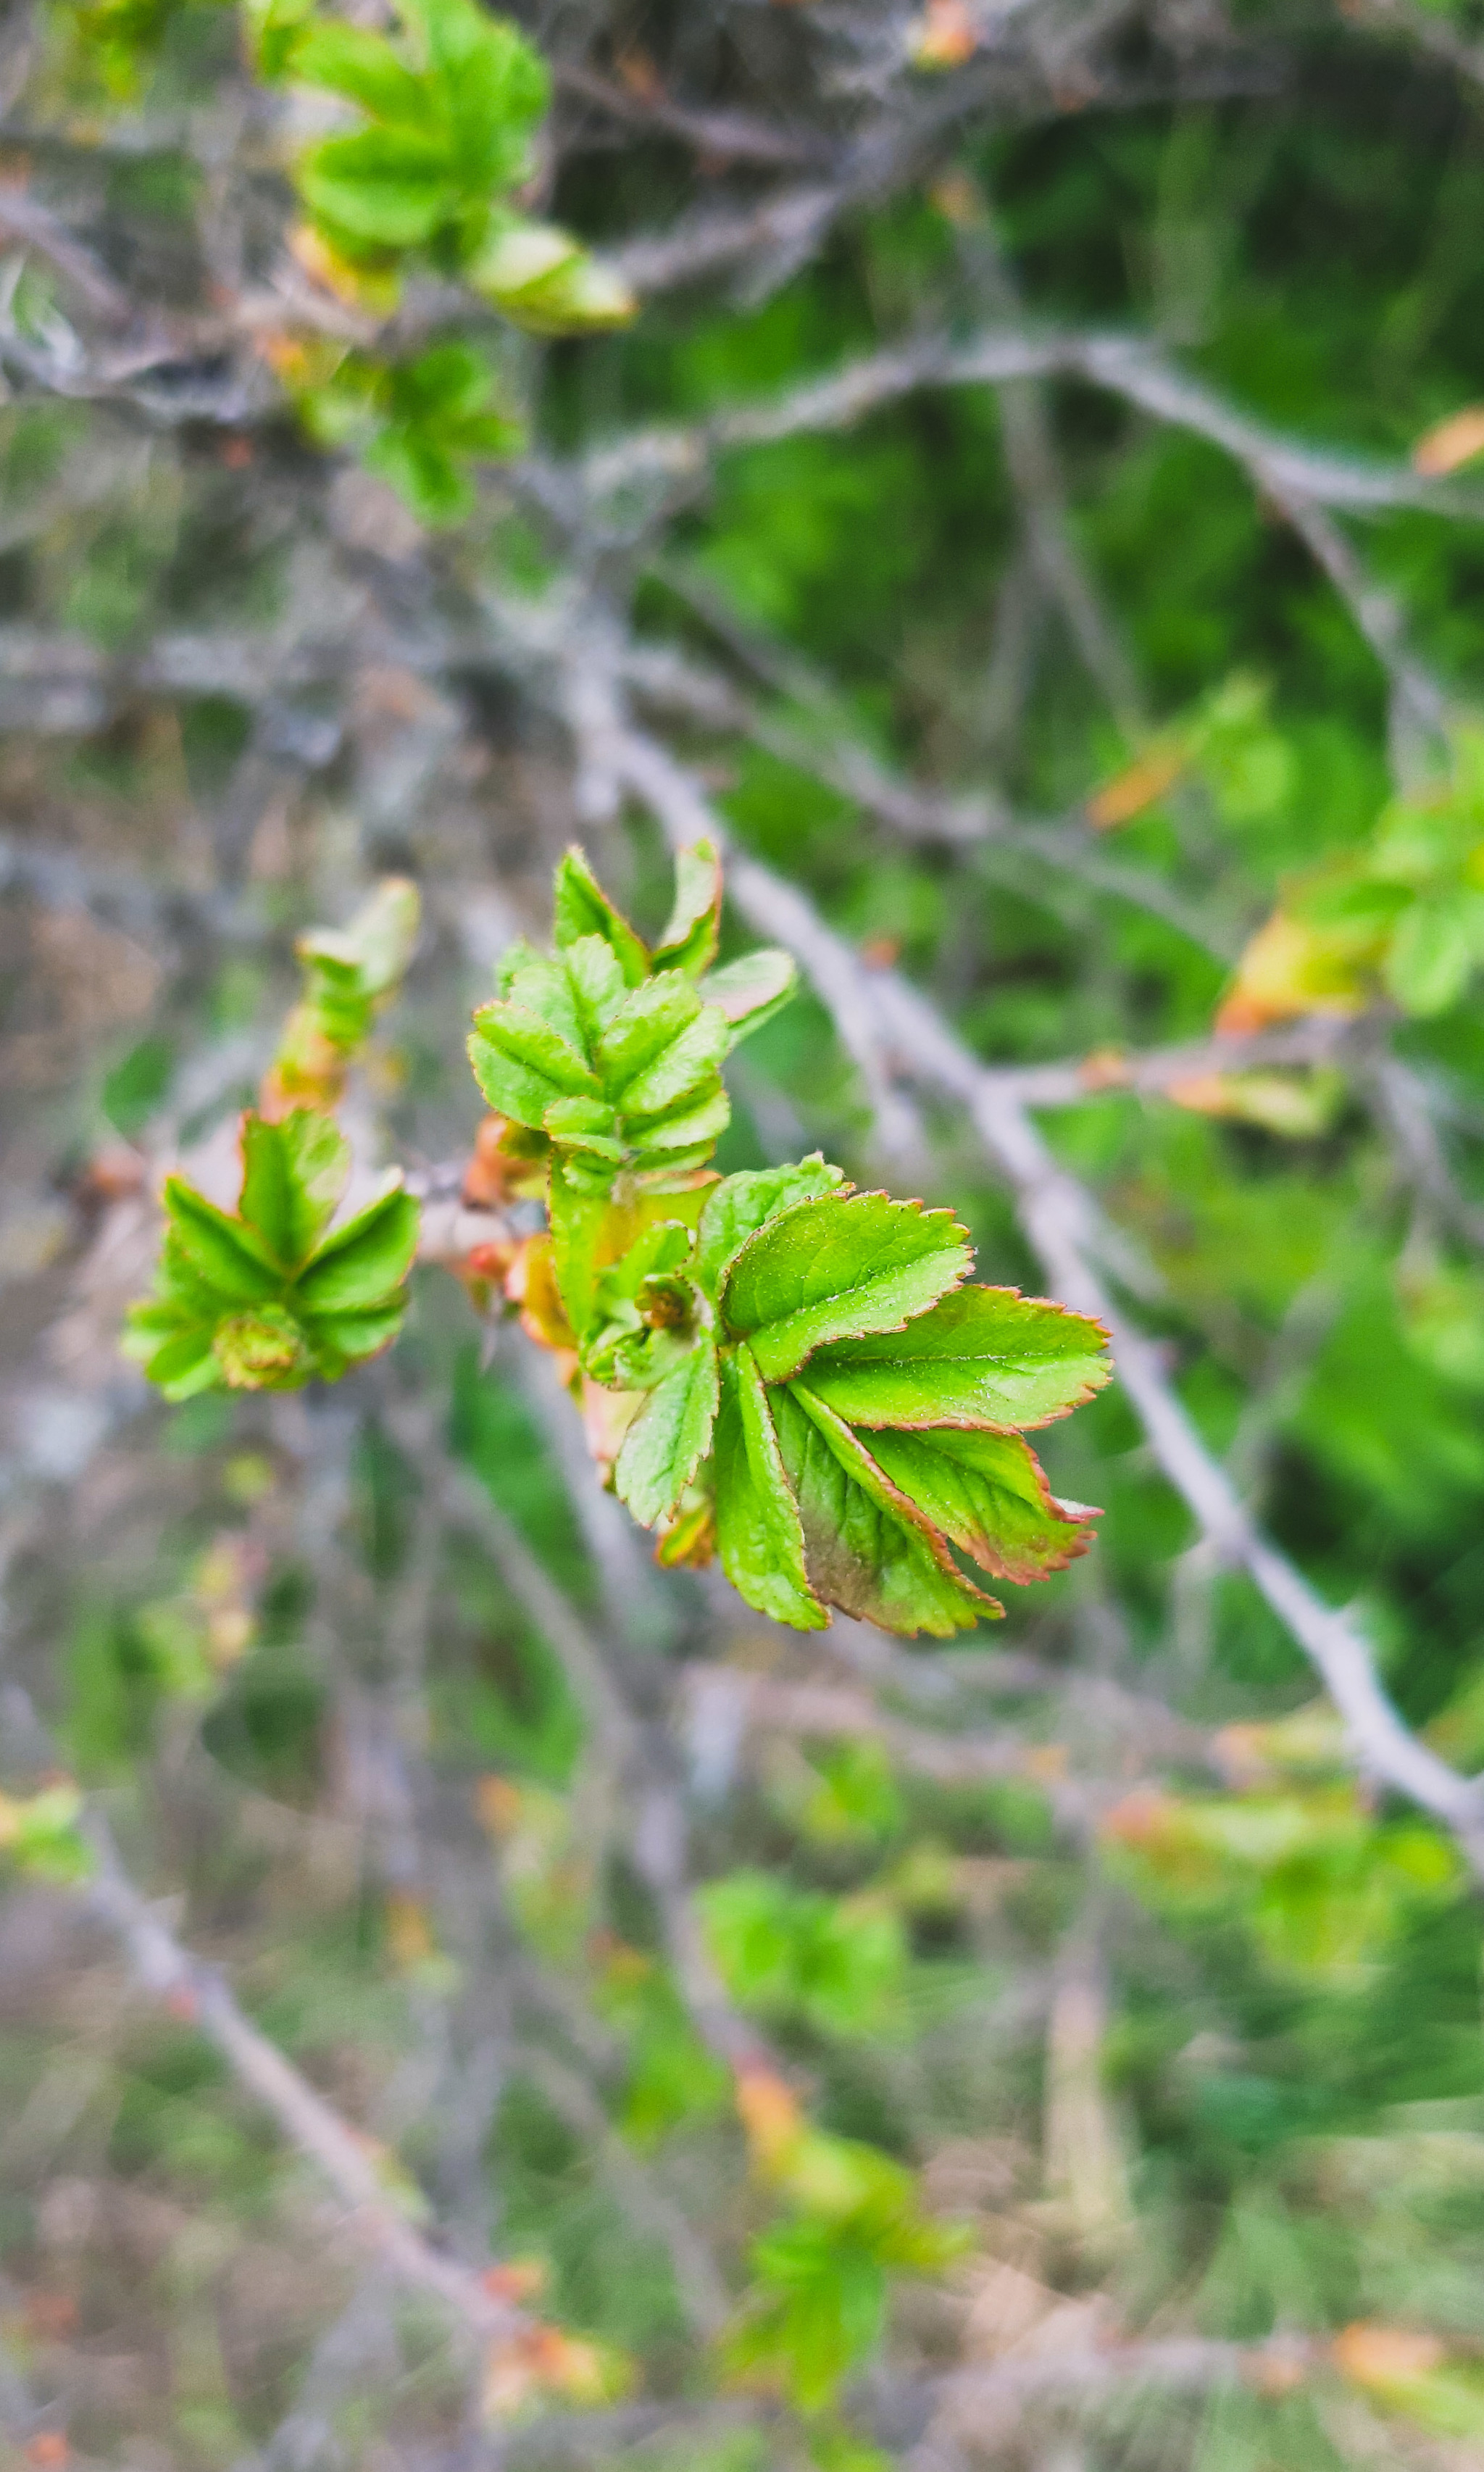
<point>837,1962</point>
<point>689,943</point>
<point>228,1255</point>
<point>343,1339</point>
<point>988,1494</point>
<point>423,473</point>
<point>274,30</point>
<point>385,185</point>
<point>294,1173</point>
<point>751,991</point>
<point>759,1535</point>
<point>544,281</point>
<point>179,1361</point>
<point>179,1285</point>
<point>737,1207</point>
<point>381,936</point>
<point>818,2309</point>
<point>522,1064</point>
<point>547,990</point>
<point>597,983</point>
<point>581,908</point>
<point>660,1046</point>
<point>365,69</point>
<point>868,1548</point>
<point>837,1268</point>
<point>664,1245</point>
<point>584,1124</point>
<point>502,79</point>
<point>363,1261</point>
<point>578,1217</point>
<point>981,1357</point>
<point>669,1436</point>
<point>694,1124</point>
<point>1433,953</point>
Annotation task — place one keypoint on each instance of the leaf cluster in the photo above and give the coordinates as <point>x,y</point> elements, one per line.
<point>815,1392</point>
<point>1322,1883</point>
<point>272,1296</point>
<point>1402,916</point>
<point>350,975</point>
<point>820,2275</point>
<point>449,104</point>
<point>833,1962</point>
<point>610,1053</point>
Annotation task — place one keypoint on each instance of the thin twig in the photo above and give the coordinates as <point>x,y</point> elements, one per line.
<point>1121,364</point>
<point>170,1972</point>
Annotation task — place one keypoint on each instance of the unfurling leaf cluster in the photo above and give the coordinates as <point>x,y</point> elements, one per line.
<point>610,1053</point>
<point>350,974</point>
<point>272,1296</point>
<point>805,1386</point>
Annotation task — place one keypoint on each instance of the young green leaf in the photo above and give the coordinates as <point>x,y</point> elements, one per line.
<point>543,281</point>
<point>389,186</point>
<point>580,908</point>
<point>690,1126</point>
<point>522,1064</point>
<point>835,1269</point>
<point>868,1548</point>
<point>743,1204</point>
<point>360,1265</point>
<point>598,986</point>
<point>669,1436</point>
<point>659,1046</point>
<point>349,975</point>
<point>780,1949</point>
<point>689,943</point>
<point>362,67</point>
<point>339,1340</point>
<point>176,1356</point>
<point>380,940</point>
<point>759,1535</point>
<point>584,1124</point>
<point>228,1310</point>
<point>981,1357</point>
<point>295,1172</point>
<point>580,1218</point>
<point>816,2309</point>
<point>751,991</point>
<point>228,1255</point>
<point>987,1493</point>
<point>1436,948</point>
